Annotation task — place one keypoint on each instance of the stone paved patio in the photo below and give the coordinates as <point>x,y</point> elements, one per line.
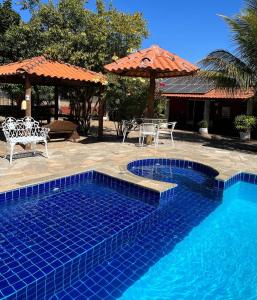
<point>111,156</point>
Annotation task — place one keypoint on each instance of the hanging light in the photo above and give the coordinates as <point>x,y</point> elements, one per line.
<point>23,105</point>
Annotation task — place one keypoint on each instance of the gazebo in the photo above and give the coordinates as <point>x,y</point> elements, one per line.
<point>43,71</point>
<point>152,63</point>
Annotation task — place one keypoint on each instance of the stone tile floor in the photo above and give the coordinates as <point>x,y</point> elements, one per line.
<point>111,156</point>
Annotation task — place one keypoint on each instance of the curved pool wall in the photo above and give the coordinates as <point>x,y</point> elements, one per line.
<point>202,168</point>
<point>62,276</point>
<point>135,168</point>
<point>73,267</point>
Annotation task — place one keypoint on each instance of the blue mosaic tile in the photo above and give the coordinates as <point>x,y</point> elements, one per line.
<point>90,235</point>
<point>173,222</point>
<point>49,240</point>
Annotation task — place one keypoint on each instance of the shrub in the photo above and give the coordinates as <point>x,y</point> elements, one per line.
<point>245,123</point>
<point>203,124</point>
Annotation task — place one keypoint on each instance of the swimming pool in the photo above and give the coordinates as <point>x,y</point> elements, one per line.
<point>92,236</point>
<point>217,259</point>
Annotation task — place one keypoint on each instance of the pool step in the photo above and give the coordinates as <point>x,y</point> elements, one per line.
<point>113,277</point>
<point>54,233</point>
<point>110,279</point>
<point>65,275</point>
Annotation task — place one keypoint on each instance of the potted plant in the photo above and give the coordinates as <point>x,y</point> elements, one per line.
<point>203,127</point>
<point>244,124</point>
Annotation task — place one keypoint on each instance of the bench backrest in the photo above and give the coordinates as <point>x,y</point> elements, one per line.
<point>14,128</point>
<point>61,126</point>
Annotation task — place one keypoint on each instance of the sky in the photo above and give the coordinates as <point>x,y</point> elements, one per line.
<point>189,28</point>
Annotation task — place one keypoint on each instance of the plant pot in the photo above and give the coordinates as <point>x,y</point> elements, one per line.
<point>245,136</point>
<point>203,130</point>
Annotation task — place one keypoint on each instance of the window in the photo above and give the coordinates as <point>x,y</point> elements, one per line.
<point>225,112</point>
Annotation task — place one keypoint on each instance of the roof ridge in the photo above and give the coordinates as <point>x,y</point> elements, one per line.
<point>31,63</point>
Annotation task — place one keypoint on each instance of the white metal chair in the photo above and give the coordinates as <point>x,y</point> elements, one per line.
<point>127,127</point>
<point>23,131</point>
<point>167,128</point>
<point>148,129</point>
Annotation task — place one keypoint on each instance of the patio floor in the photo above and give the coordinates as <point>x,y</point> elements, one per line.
<point>225,155</point>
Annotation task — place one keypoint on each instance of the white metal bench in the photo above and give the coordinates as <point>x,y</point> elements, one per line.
<point>24,131</point>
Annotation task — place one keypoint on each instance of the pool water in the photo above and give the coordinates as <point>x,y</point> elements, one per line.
<point>191,205</point>
<point>99,238</point>
<point>216,260</point>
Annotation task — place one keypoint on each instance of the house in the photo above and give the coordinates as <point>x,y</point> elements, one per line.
<point>192,99</point>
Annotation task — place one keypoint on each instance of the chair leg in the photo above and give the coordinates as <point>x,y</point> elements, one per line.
<point>46,149</point>
<point>124,135</point>
<point>11,152</point>
<point>7,150</point>
<point>156,141</point>
<point>172,140</point>
<point>34,148</point>
<point>141,140</point>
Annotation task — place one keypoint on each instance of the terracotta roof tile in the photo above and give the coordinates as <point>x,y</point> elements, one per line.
<point>214,94</point>
<point>162,62</point>
<point>41,66</point>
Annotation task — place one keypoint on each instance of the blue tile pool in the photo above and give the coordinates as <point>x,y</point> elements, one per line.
<point>92,236</point>
<point>51,238</point>
<point>216,260</point>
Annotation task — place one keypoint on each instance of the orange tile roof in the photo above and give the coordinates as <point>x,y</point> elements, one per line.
<point>154,59</point>
<point>215,94</point>
<point>42,67</point>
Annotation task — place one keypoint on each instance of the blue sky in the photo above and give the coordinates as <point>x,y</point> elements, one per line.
<point>189,28</point>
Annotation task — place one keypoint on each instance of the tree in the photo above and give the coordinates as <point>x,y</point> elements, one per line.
<point>70,32</point>
<point>67,30</point>
<point>239,69</point>
<point>8,19</point>
<point>126,99</point>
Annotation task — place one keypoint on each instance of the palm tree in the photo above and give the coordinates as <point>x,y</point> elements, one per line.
<point>239,69</point>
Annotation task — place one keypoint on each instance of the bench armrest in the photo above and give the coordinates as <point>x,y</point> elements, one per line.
<point>42,131</point>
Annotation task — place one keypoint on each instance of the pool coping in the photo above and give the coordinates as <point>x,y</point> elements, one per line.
<point>222,181</point>
<point>123,178</point>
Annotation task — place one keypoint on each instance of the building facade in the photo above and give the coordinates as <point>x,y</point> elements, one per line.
<point>191,100</point>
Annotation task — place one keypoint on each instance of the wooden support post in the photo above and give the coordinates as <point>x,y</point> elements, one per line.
<point>206,112</point>
<point>101,113</point>
<point>150,99</point>
<point>56,102</point>
<point>167,110</point>
<point>150,104</point>
<point>249,107</point>
<point>28,103</point>
<point>28,97</point>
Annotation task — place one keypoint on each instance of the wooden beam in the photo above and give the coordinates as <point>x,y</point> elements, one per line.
<point>56,102</point>
<point>28,96</point>
<point>101,113</point>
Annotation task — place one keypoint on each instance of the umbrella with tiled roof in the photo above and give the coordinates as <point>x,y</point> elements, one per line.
<point>152,63</point>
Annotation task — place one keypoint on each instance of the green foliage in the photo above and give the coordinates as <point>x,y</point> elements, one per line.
<point>125,98</point>
<point>68,31</point>
<point>8,19</point>
<point>203,124</point>
<point>245,123</point>
<point>8,16</point>
<point>238,69</point>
